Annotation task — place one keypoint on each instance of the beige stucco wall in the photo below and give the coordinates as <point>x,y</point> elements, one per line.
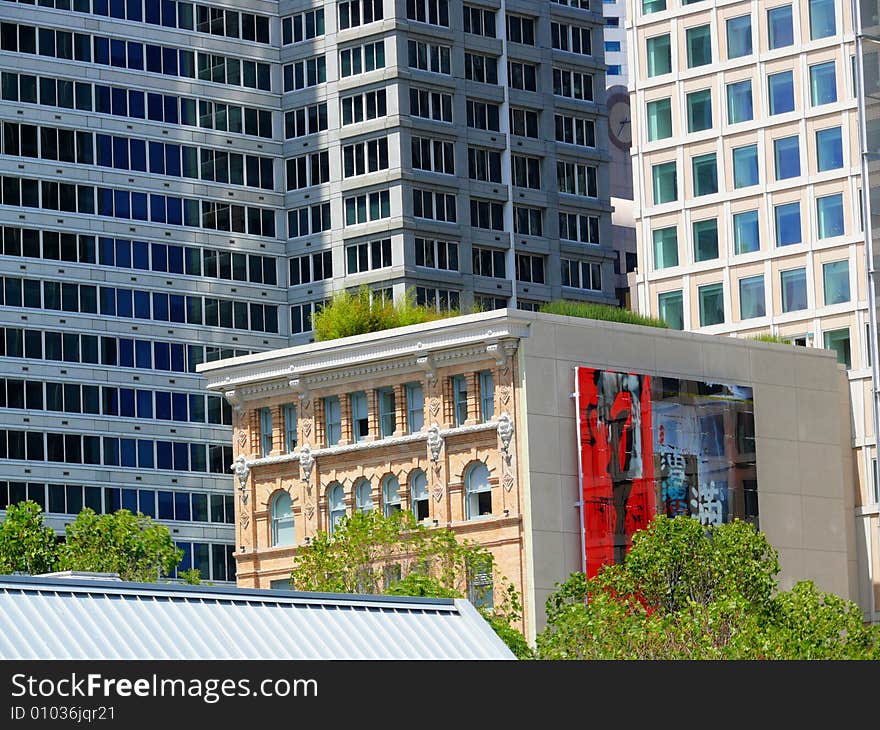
<point>803,437</point>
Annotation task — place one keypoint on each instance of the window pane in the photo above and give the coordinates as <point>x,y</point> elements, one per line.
<point>699,46</point>
<point>745,232</point>
<point>659,52</point>
<point>788,223</point>
<point>665,183</point>
<point>751,297</point>
<point>705,240</point>
<point>781,87</point>
<point>699,106</point>
<point>787,156</point>
<point>829,149</point>
<point>835,278</point>
<point>705,170</point>
<point>838,340</point>
<point>822,21</point>
<point>780,27</point>
<point>739,102</point>
<point>665,247</point>
<point>829,212</point>
<point>659,119</point>
<point>794,290</point>
<point>739,36</point>
<point>671,308</point>
<point>745,166</point>
<point>823,84</point>
<point>711,305</point>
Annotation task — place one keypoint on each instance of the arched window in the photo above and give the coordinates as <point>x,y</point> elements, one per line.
<point>282,520</point>
<point>478,492</point>
<point>390,495</point>
<point>418,489</point>
<point>335,505</point>
<point>363,496</point>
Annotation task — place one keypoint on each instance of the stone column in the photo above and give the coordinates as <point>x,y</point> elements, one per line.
<point>400,414</point>
<point>345,414</point>
<point>473,399</point>
<point>372,415</point>
<point>277,429</point>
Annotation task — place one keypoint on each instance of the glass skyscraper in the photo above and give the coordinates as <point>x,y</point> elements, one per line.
<point>184,182</point>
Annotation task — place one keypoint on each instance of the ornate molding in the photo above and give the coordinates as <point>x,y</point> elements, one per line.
<point>444,433</point>
<point>233,397</point>
<point>365,355</point>
<point>435,442</point>
<point>430,367</point>
<point>505,432</point>
<point>306,462</point>
<point>241,469</point>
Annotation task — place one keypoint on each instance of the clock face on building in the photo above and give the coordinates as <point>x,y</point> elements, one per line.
<point>619,120</point>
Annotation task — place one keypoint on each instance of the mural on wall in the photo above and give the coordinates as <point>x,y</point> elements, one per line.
<point>651,445</point>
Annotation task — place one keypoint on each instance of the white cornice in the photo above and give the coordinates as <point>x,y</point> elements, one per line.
<point>365,356</point>
<point>372,445</point>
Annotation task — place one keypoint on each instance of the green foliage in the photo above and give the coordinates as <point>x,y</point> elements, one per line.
<point>693,592</point>
<point>589,310</point>
<point>131,545</point>
<point>369,553</point>
<point>26,544</point>
<point>766,337</point>
<point>354,313</point>
<point>191,577</point>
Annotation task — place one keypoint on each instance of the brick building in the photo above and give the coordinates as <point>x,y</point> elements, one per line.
<point>485,424</point>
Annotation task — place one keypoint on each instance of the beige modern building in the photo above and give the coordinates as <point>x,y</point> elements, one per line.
<point>504,425</point>
<point>748,193</point>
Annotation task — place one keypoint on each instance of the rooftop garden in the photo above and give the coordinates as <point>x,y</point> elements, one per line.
<point>356,313</point>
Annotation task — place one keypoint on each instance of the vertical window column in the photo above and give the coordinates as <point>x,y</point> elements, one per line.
<point>400,421</point>
<point>473,403</point>
<point>372,414</point>
<point>347,430</point>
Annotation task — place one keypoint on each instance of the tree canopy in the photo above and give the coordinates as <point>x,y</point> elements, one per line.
<point>687,591</point>
<point>395,555</point>
<point>133,546</point>
<point>26,545</point>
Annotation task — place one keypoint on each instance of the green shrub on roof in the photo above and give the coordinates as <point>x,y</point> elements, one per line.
<point>765,337</point>
<point>356,313</point>
<point>589,310</point>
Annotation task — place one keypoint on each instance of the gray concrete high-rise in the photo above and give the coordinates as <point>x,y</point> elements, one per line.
<point>183,182</point>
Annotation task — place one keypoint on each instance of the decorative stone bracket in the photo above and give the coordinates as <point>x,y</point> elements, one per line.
<point>241,471</point>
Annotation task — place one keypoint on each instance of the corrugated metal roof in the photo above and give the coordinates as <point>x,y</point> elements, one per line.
<point>64,618</point>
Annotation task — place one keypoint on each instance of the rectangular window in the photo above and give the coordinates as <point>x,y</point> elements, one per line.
<point>705,171</point>
<point>665,182</point>
<point>665,247</point>
<point>788,223</point>
<point>823,84</point>
<point>751,297</point>
<point>487,395</point>
<point>699,46</point>
<point>739,102</point>
<point>265,431</point>
<point>838,341</point>
<point>822,20</point>
<point>659,52</point>
<point>787,157</point>
<point>739,36</point>
<point>415,407</point>
<point>699,106</point>
<point>387,418</point>
<point>829,149</point>
<point>671,309</point>
<point>360,422</point>
<point>829,214</point>
<point>746,235</point>
<point>835,279</point>
<point>289,427</point>
<point>781,91</point>
<point>794,289</point>
<point>780,27</point>
<point>705,240</point>
<point>332,420</point>
<point>428,57</point>
<point>711,305</point>
<point>460,399</point>
<point>745,166</point>
<point>660,119</point>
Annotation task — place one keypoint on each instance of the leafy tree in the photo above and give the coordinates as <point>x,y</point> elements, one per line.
<point>395,555</point>
<point>131,545</point>
<point>26,544</point>
<point>691,592</point>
